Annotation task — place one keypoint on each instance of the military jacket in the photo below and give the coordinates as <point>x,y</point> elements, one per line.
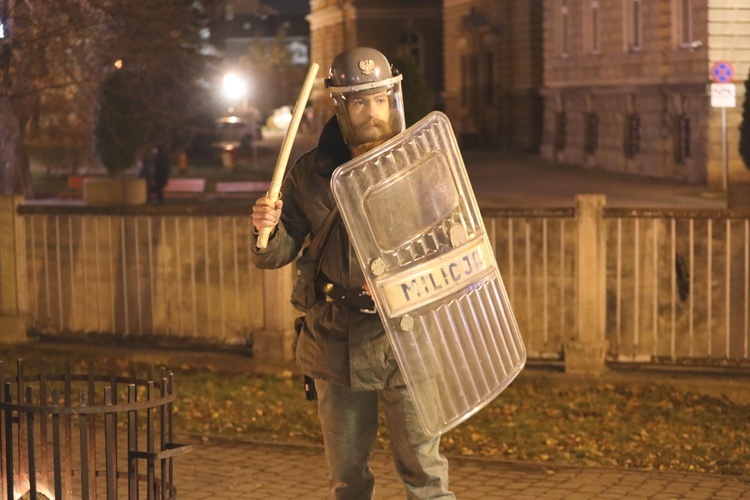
<point>337,344</point>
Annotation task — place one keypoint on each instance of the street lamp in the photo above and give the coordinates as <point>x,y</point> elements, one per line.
<point>235,89</point>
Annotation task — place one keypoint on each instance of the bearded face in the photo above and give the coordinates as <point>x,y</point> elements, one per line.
<point>369,116</point>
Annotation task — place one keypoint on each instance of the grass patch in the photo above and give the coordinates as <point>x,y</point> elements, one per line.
<point>541,417</point>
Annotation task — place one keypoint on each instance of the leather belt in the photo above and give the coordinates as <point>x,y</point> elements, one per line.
<point>352,299</point>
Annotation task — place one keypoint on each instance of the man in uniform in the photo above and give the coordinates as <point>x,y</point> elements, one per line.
<point>343,344</point>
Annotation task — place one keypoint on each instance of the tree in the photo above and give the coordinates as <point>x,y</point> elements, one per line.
<point>276,80</point>
<point>52,62</point>
<point>166,68</point>
<point>117,135</point>
<point>745,126</point>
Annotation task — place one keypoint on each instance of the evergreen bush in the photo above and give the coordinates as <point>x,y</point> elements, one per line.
<point>116,129</point>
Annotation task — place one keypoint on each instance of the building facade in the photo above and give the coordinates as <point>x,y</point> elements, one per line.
<point>493,71</point>
<point>627,86</point>
<point>393,27</point>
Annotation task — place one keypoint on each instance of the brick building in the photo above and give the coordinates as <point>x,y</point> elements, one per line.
<point>390,26</point>
<point>626,85</point>
<point>493,71</point>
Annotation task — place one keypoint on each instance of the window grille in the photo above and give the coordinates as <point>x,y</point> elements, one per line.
<point>632,135</point>
<point>682,139</point>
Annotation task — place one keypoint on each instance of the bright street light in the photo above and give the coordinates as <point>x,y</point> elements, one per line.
<point>234,87</point>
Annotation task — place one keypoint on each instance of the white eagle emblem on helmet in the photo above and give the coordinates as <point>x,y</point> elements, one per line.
<point>366,66</point>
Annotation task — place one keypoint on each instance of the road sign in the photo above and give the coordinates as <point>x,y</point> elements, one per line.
<point>723,95</point>
<point>722,72</point>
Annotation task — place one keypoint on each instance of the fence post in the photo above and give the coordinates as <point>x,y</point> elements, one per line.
<point>13,293</point>
<point>586,352</point>
<point>275,341</point>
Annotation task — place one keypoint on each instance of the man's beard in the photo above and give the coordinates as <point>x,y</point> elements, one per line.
<point>370,135</point>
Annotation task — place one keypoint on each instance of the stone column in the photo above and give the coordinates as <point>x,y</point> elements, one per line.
<point>585,354</point>
<point>14,308</point>
<point>275,342</point>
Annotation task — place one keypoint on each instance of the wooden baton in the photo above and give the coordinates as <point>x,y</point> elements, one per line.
<point>286,148</point>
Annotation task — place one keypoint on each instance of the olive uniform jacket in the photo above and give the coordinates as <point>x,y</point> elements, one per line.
<point>337,344</point>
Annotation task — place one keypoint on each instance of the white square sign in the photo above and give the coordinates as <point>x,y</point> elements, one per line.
<point>723,95</point>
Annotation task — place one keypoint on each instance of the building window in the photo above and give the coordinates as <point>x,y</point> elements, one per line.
<point>593,28</point>
<point>489,91</point>
<point>632,135</point>
<point>564,29</point>
<point>592,133</point>
<point>682,139</point>
<point>685,22</point>
<point>411,43</point>
<point>561,131</point>
<point>634,17</point>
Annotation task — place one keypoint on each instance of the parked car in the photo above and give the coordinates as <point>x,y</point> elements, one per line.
<point>280,118</point>
<point>232,133</point>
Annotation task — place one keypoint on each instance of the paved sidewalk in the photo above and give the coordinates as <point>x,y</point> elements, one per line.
<point>506,179</point>
<point>502,178</point>
<point>243,470</point>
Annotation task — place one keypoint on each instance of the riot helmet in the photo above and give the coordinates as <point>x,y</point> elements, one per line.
<point>367,98</point>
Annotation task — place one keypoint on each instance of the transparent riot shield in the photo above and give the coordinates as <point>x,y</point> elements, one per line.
<point>420,239</point>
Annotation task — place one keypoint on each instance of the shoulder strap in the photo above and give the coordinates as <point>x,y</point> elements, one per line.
<point>315,251</point>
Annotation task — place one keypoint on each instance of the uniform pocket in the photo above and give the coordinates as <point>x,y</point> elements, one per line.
<point>303,291</point>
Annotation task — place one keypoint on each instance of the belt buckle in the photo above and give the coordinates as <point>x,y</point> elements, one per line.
<point>373,310</point>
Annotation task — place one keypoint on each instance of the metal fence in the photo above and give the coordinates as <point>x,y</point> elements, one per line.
<point>676,280</point>
<point>534,251</point>
<point>55,424</point>
<point>678,284</point>
<point>172,273</point>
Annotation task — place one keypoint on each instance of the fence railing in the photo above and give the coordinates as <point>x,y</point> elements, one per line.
<point>677,282</point>
<point>535,252</point>
<point>679,285</point>
<point>652,286</point>
<point>168,274</point>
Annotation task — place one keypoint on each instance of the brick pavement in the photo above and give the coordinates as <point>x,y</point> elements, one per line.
<point>245,470</point>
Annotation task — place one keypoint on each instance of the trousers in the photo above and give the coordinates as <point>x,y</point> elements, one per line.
<point>349,421</point>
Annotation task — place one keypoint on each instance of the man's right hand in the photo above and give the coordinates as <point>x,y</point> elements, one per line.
<point>266,213</point>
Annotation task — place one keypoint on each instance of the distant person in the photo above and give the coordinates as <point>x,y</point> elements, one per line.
<point>145,170</point>
<point>161,171</point>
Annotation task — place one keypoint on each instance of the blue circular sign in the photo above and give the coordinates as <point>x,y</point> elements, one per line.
<point>722,72</point>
